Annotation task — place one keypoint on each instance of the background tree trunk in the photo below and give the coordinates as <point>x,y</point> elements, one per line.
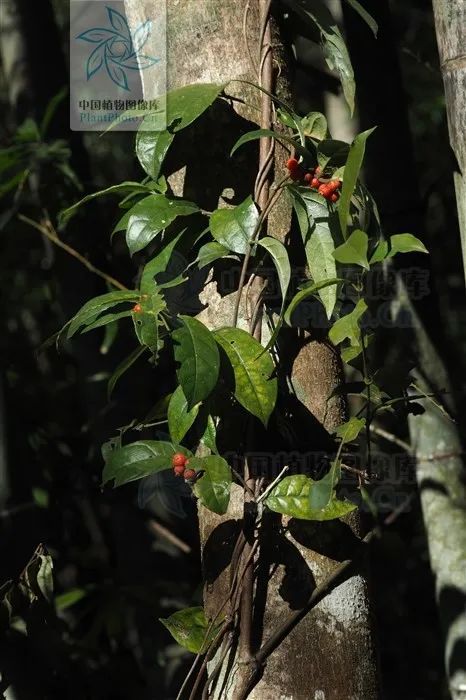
<point>435,437</point>
<point>450,21</point>
<point>331,653</point>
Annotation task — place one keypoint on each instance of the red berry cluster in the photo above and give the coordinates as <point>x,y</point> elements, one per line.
<point>328,189</point>
<point>179,464</point>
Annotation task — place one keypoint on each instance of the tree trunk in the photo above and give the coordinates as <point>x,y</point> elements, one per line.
<point>434,437</point>
<point>330,655</point>
<point>450,24</point>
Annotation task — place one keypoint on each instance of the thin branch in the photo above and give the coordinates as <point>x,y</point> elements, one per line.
<point>49,232</point>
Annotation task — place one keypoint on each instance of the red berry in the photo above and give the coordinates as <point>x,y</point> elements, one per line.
<point>179,460</point>
<point>334,197</point>
<point>189,474</point>
<point>318,170</point>
<point>315,183</point>
<point>292,164</point>
<point>137,309</point>
<point>333,185</point>
<point>179,470</point>
<point>308,177</point>
<point>323,190</point>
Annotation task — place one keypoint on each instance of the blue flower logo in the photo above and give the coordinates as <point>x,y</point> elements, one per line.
<point>117,50</point>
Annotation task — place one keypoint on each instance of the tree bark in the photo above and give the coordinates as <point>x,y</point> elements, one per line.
<point>330,655</point>
<point>450,24</point>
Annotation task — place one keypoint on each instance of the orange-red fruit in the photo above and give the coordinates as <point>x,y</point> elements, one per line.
<point>318,170</point>
<point>308,177</point>
<point>137,309</point>
<point>323,190</point>
<point>179,470</point>
<point>334,197</point>
<point>292,164</point>
<point>189,474</point>
<point>315,182</point>
<point>333,185</point>
<point>179,460</point>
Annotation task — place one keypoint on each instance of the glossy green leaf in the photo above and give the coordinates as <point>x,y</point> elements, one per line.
<point>122,368</point>
<point>209,438</point>
<point>334,48</point>
<point>199,359</point>
<point>122,188</point>
<point>319,246</point>
<point>213,488</point>
<point>180,418</point>
<point>254,389</point>
<point>139,459</point>
<point>350,178</point>
<point>314,126</point>
<point>322,491</point>
<point>279,255</point>
<point>187,103</point>
<point>96,306</point>
<point>158,264</point>
<point>190,628</point>
<point>332,153</point>
<point>380,252</point>
<point>151,216</point>
<point>405,243</point>
<point>234,227</point>
<point>292,496</point>
<point>349,431</point>
<point>69,598</point>
<point>147,321</point>
<point>354,250</point>
<point>363,13</point>
<point>277,135</point>
<point>347,327</point>
<point>106,320</point>
<point>303,294</point>
<point>151,149</point>
<point>210,252</point>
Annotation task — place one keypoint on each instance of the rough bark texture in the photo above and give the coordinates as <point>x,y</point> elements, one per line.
<point>450,21</point>
<point>330,655</point>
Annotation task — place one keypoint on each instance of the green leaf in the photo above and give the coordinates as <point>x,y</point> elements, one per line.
<point>94,307</point>
<point>333,45</point>
<point>199,359</point>
<point>350,177</point>
<point>105,320</point>
<point>124,367</point>
<point>380,252</point>
<point>213,488</point>
<point>209,438</point>
<point>180,418</point>
<point>279,255</point>
<point>292,496</point>
<point>234,227</point>
<point>151,149</point>
<point>139,459</point>
<point>348,326</point>
<point>319,245</point>
<point>405,243</point>
<point>252,368</point>
<point>122,188</point>
<point>69,598</point>
<point>311,290</point>
<point>190,628</point>
<point>51,109</point>
<point>322,491</point>
<point>151,216</point>
<point>158,264</point>
<point>332,153</point>
<point>350,430</point>
<point>147,321</point>
<point>277,135</point>
<point>314,126</point>
<point>368,19</point>
<point>186,104</point>
<point>210,252</point>
<point>354,250</point>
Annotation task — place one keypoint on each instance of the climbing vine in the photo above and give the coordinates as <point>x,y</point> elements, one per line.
<point>229,379</point>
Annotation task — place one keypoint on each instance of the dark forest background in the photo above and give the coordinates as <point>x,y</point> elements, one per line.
<point>116,571</point>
